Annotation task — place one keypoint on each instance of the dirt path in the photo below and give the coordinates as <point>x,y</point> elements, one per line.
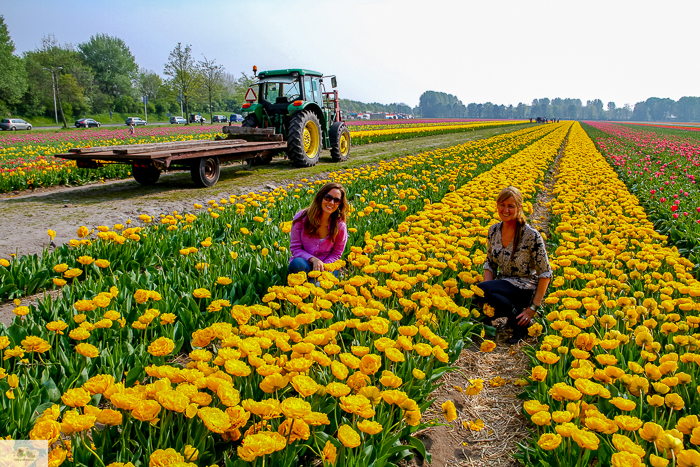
<point>497,406</point>
<point>26,217</point>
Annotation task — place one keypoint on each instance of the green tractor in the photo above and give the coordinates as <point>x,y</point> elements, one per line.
<point>294,102</point>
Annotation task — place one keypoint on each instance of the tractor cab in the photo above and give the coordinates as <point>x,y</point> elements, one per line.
<point>277,90</point>
<point>294,102</point>
<point>282,93</point>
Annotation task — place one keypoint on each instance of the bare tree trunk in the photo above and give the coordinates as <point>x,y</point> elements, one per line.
<point>58,97</point>
<point>211,113</point>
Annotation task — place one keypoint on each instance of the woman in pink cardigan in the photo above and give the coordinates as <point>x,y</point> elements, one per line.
<point>319,233</point>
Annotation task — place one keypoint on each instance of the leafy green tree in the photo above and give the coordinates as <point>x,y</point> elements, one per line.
<point>688,109</point>
<point>212,81</point>
<point>112,62</point>
<point>434,104</point>
<point>45,67</point>
<point>660,109</point>
<point>183,73</point>
<point>72,94</point>
<point>14,75</point>
<point>487,111</point>
<point>149,83</point>
<point>241,86</point>
<point>640,113</point>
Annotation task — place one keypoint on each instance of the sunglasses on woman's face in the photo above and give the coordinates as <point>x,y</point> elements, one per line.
<point>331,199</point>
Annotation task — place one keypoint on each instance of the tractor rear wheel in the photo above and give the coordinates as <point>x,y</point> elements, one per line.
<point>304,139</point>
<point>251,121</point>
<point>340,142</point>
<point>145,176</point>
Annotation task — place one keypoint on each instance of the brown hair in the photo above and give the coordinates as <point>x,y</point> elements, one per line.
<point>312,214</point>
<point>512,192</point>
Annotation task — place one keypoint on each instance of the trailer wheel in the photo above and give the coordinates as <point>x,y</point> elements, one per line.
<point>206,171</point>
<point>304,139</point>
<point>340,142</point>
<point>257,160</point>
<point>145,176</point>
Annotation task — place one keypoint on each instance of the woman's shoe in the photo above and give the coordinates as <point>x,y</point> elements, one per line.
<point>519,334</point>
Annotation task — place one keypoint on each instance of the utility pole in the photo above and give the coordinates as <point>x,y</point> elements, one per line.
<point>58,94</point>
<point>53,87</point>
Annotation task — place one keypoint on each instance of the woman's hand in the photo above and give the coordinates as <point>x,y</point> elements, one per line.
<point>317,264</point>
<point>525,318</point>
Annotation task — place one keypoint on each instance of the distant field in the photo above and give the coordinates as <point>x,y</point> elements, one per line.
<point>27,162</point>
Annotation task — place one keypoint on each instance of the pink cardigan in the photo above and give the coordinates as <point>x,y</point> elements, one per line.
<point>306,247</point>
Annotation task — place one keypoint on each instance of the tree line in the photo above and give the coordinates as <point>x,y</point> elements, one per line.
<point>434,104</point>
<point>65,81</point>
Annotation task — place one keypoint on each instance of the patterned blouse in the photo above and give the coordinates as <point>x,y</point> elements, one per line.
<point>529,264</point>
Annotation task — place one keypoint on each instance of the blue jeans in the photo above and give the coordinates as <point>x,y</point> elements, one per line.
<point>300,264</point>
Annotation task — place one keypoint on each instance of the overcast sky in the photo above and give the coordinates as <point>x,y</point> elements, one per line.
<point>393,50</point>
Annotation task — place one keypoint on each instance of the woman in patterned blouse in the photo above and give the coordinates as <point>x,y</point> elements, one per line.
<point>517,271</point>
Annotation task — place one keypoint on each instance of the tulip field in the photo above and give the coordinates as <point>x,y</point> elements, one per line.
<point>180,339</point>
<point>674,126</point>
<point>27,162</point>
<point>662,169</point>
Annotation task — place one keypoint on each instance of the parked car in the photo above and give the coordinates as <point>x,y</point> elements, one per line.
<point>236,118</point>
<point>197,119</point>
<point>136,121</point>
<point>178,120</point>
<point>87,123</point>
<point>13,124</point>
<point>219,119</point>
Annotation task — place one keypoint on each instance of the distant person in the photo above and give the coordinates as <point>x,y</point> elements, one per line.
<point>131,129</point>
<point>319,233</point>
<point>530,119</point>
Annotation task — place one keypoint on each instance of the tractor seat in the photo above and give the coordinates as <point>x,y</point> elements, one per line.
<point>282,100</point>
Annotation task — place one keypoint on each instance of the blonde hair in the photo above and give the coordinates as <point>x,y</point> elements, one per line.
<point>512,192</point>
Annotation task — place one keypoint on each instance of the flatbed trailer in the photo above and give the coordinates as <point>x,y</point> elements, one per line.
<point>202,157</point>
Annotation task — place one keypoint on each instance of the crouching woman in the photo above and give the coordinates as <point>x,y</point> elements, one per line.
<point>319,233</point>
<point>517,270</point>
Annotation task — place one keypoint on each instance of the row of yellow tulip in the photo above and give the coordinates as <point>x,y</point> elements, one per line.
<point>374,135</point>
<point>615,376</point>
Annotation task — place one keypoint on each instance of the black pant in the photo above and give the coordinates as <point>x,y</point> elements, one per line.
<point>507,300</point>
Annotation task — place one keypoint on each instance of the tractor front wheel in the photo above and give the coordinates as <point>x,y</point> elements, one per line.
<point>304,139</point>
<point>251,121</point>
<point>340,142</point>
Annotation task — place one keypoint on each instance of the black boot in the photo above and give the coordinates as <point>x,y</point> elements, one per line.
<point>519,334</point>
